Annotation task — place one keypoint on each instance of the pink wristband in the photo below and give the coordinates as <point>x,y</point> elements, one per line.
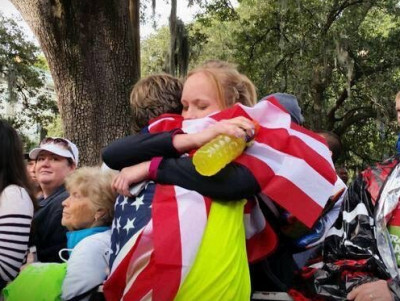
<point>154,163</point>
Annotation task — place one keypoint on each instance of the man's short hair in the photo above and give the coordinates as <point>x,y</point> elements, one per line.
<point>155,95</point>
<point>334,143</point>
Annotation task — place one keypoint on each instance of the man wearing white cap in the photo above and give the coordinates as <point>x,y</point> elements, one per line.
<point>55,159</point>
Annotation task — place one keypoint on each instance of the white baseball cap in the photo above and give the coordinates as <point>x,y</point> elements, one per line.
<point>59,146</point>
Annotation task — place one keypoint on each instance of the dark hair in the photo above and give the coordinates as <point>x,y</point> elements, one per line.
<point>334,143</point>
<point>12,165</point>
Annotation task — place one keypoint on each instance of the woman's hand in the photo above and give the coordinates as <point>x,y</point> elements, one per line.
<point>130,175</point>
<point>372,291</point>
<point>240,127</point>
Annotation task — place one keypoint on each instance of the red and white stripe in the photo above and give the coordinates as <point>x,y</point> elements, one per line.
<point>164,251</point>
<point>293,167</point>
<point>261,239</point>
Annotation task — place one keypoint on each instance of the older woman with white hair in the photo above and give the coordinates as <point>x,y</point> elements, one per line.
<point>87,214</point>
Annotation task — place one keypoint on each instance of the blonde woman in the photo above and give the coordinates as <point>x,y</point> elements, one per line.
<point>87,214</point>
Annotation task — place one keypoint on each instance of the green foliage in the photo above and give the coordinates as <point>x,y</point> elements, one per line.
<point>55,129</point>
<point>340,58</point>
<point>154,51</point>
<point>41,63</point>
<point>22,79</point>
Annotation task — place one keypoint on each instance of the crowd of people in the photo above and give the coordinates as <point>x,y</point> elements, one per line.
<point>146,225</point>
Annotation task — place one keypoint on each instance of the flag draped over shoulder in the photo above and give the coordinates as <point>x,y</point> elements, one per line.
<point>167,243</point>
<point>289,163</point>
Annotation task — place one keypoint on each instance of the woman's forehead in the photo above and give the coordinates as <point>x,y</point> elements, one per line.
<point>198,87</point>
<point>45,153</point>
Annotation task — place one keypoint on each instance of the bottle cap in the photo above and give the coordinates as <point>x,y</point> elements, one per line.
<point>250,139</point>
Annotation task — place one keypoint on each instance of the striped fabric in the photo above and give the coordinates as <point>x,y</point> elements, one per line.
<point>16,211</point>
<point>132,276</point>
<point>289,162</point>
<point>284,154</point>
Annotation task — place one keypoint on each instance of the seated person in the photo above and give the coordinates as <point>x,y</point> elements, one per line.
<point>87,214</point>
<point>55,159</point>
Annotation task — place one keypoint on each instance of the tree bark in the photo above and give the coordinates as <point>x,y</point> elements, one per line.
<point>173,30</point>
<point>91,56</point>
<point>134,11</point>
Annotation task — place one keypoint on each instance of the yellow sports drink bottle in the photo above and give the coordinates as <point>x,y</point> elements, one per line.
<point>216,154</point>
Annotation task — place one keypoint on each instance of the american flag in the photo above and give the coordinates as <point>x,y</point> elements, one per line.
<point>283,154</point>
<point>133,275</point>
<point>289,162</point>
<point>132,214</point>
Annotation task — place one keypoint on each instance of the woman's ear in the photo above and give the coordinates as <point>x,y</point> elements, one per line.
<point>100,214</point>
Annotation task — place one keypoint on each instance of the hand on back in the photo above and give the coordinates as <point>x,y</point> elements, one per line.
<point>129,176</point>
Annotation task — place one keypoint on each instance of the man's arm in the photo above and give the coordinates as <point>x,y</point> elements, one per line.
<point>138,148</point>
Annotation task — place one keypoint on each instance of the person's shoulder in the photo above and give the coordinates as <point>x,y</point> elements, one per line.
<point>14,189</point>
<point>14,196</point>
<point>61,193</point>
<point>91,248</point>
<point>55,200</point>
<point>101,238</point>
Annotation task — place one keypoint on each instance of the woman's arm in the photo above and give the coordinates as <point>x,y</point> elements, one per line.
<point>240,127</point>
<point>186,175</point>
<point>16,213</point>
<point>138,148</point>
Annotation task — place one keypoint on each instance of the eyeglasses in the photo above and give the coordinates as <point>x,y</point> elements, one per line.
<point>60,141</point>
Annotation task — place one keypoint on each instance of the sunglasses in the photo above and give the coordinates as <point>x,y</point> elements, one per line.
<point>59,141</point>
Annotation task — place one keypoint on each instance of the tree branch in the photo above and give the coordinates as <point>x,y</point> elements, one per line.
<point>336,11</point>
<point>355,118</point>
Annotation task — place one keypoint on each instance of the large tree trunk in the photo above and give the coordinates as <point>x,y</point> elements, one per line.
<point>178,56</point>
<point>89,48</point>
<point>173,31</point>
<point>134,12</point>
